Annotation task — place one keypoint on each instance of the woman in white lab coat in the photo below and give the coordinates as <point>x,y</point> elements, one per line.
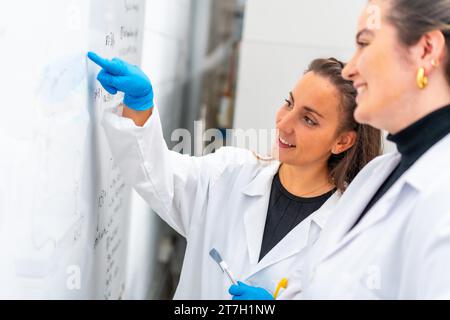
<point>261,216</point>
<point>389,237</point>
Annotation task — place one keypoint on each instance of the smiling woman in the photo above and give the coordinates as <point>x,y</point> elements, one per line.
<point>393,234</point>
<point>257,214</point>
<point>317,129</point>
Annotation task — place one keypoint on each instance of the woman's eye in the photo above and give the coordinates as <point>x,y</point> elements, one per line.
<point>288,103</point>
<point>309,122</point>
<point>362,44</point>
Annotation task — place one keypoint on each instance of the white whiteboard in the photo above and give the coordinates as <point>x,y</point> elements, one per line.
<point>63,203</point>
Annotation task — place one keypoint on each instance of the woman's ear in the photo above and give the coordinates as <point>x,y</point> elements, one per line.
<point>430,50</point>
<point>345,141</point>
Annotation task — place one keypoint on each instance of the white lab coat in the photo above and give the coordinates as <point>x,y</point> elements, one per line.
<point>217,201</point>
<point>400,249</point>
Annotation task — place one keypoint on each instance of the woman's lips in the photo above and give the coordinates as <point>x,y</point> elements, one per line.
<point>361,89</point>
<point>282,144</point>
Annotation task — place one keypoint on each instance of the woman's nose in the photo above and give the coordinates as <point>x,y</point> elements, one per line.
<point>285,123</point>
<point>349,72</point>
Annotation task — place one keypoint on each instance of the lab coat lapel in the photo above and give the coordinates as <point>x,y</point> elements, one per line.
<point>348,212</point>
<point>258,190</point>
<point>297,239</point>
<point>415,178</point>
<point>292,243</point>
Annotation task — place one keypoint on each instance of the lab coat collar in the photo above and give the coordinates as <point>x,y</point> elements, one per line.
<point>338,231</point>
<point>426,171</point>
<point>297,239</point>
<point>320,217</point>
<point>262,181</point>
<point>255,217</point>
<point>417,178</point>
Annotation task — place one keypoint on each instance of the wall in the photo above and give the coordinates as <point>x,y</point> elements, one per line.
<point>280,39</point>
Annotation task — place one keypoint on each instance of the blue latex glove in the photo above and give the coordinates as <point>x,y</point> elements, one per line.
<point>243,291</point>
<point>117,75</point>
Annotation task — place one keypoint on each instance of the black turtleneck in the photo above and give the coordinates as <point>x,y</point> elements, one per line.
<point>412,143</point>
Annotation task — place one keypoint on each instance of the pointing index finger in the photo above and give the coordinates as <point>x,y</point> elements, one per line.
<point>110,66</point>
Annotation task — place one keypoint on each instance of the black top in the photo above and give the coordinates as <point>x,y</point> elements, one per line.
<point>412,143</point>
<point>285,212</point>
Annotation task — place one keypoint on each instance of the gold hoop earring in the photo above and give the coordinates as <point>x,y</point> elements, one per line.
<point>422,79</point>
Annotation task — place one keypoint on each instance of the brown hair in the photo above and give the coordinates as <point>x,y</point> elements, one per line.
<point>414,18</point>
<point>344,167</point>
